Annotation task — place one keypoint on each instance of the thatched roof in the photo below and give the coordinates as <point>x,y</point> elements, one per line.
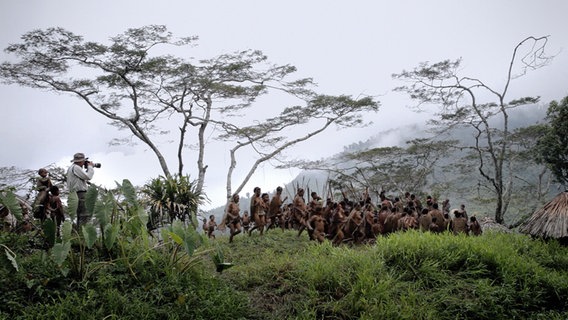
<point>550,221</point>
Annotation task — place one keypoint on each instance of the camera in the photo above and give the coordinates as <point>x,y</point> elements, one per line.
<point>95,165</point>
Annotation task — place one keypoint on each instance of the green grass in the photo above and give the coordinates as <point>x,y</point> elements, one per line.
<point>410,275</point>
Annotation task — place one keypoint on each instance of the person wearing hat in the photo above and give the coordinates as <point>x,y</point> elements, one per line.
<point>78,175</point>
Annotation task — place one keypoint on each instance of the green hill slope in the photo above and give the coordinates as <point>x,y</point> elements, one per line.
<point>409,275</point>
<point>281,275</point>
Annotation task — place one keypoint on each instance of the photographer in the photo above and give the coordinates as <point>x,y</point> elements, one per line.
<point>78,175</point>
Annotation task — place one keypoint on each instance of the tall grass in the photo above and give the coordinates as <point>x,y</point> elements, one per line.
<point>410,275</point>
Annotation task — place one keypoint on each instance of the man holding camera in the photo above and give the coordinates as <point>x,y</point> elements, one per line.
<point>78,175</point>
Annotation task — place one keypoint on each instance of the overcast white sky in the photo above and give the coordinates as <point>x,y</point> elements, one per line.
<point>348,47</point>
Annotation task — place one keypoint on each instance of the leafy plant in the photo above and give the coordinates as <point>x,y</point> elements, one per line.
<point>178,236</point>
<point>172,198</point>
<point>11,256</point>
<point>8,199</point>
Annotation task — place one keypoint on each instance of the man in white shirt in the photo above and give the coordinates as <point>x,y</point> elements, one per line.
<point>78,174</point>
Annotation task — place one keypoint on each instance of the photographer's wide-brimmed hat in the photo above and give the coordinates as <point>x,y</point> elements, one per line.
<point>78,157</point>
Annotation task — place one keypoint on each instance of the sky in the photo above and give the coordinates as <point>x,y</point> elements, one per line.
<point>347,47</point>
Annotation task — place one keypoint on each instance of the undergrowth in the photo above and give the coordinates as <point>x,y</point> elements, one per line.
<point>279,275</point>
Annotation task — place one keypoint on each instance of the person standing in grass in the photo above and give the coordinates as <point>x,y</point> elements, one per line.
<point>300,211</point>
<point>260,208</point>
<point>41,201</point>
<point>246,221</point>
<point>435,212</point>
<point>474,226</point>
<point>55,208</point>
<point>459,224</point>
<point>233,219</point>
<point>463,211</point>
<point>78,176</point>
<point>211,225</point>
<point>275,209</point>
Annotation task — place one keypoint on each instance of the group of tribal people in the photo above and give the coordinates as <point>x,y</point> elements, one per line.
<point>359,221</point>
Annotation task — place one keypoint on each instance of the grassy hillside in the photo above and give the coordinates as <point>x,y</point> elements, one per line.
<point>409,275</point>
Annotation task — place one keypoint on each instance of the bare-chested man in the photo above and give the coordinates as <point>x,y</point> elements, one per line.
<point>246,221</point>
<point>435,212</point>
<point>407,220</point>
<point>353,227</point>
<point>260,208</point>
<point>315,202</point>
<point>211,225</point>
<point>317,222</point>
<point>459,224</point>
<point>287,217</point>
<point>233,219</point>
<point>391,221</point>
<point>424,220</point>
<point>300,210</point>
<point>474,226</point>
<point>337,221</point>
<point>255,195</point>
<point>417,203</point>
<point>372,226</point>
<point>275,209</point>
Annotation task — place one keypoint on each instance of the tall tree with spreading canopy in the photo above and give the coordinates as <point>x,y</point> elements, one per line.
<point>131,82</point>
<point>463,101</point>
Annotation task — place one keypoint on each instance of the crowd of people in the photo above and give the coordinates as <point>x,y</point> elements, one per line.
<point>357,221</point>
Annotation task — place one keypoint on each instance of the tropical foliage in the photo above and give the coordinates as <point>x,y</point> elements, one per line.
<point>553,146</point>
<point>113,260</point>
<point>410,275</point>
<point>172,198</point>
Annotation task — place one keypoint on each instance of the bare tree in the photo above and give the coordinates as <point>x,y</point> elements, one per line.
<point>390,169</point>
<point>268,141</point>
<point>458,100</point>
